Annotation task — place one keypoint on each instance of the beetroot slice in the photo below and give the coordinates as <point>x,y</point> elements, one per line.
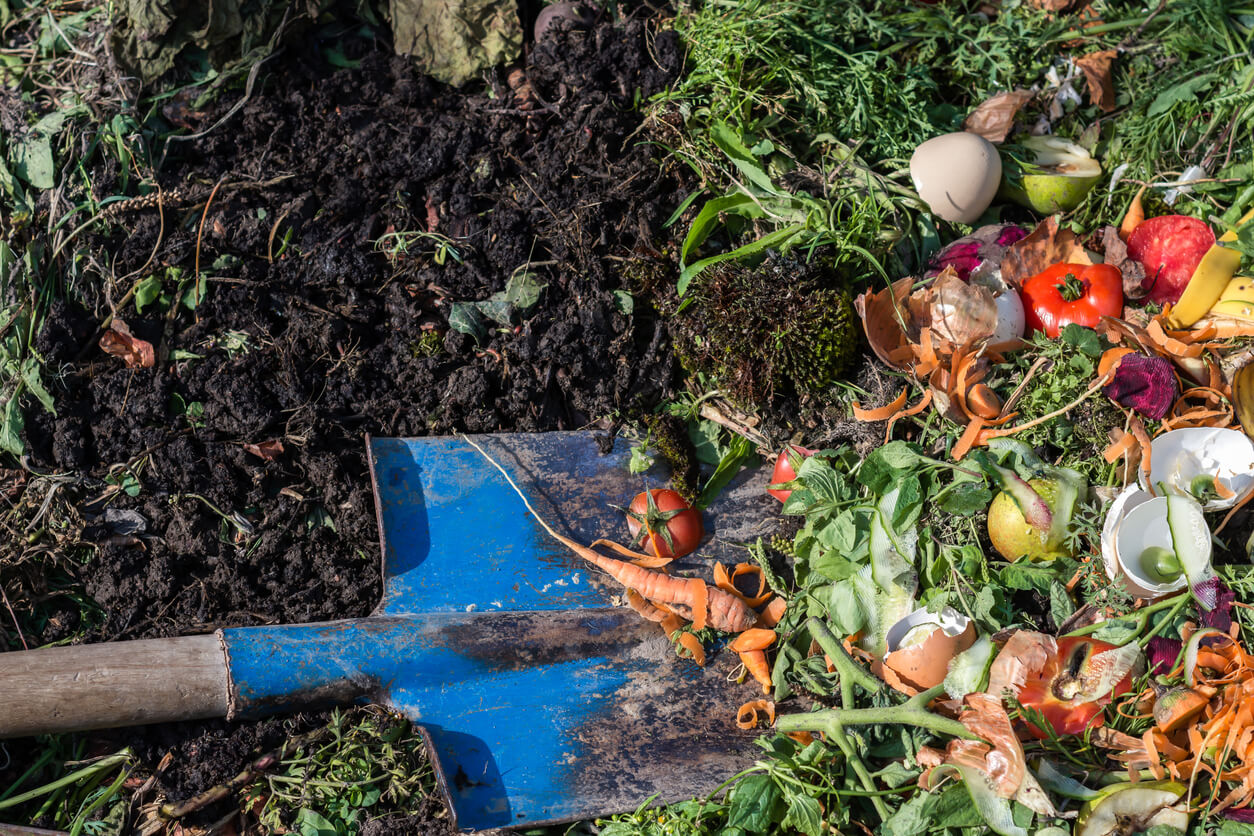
<point>1169,247</point>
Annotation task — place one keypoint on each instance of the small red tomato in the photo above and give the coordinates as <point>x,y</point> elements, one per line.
<point>1066,294</point>
<point>1072,687</point>
<point>665,523</point>
<point>784,470</point>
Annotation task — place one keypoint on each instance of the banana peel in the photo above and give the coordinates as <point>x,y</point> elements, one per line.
<point>1237,299</point>
<point>1212,277</point>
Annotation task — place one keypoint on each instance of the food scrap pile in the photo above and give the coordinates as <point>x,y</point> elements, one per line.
<point>1061,645</point>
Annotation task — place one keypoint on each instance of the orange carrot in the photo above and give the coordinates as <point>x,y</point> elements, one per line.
<point>643,607</point>
<point>756,664</point>
<point>1133,217</point>
<point>727,582</point>
<point>773,612</point>
<point>753,639</point>
<point>717,608</point>
<point>693,645</point>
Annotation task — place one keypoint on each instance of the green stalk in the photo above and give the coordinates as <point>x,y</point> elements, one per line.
<point>913,712</point>
<point>74,777</point>
<point>1141,615</point>
<point>851,673</point>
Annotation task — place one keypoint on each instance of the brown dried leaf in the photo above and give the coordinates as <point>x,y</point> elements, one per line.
<point>267,450</point>
<point>1116,255</point>
<point>961,313</point>
<point>995,117</point>
<point>1097,68</point>
<point>1045,246</point>
<point>881,314</point>
<point>1050,5</point>
<point>120,342</point>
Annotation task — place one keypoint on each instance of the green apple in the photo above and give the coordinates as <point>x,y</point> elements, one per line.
<point>1127,809</point>
<point>1011,534</point>
<point>1057,179</point>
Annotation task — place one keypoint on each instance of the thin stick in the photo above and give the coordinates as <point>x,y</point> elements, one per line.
<point>13,615</point>
<point>559,538</point>
<point>201,231</point>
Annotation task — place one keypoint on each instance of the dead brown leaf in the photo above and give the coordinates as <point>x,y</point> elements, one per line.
<point>994,118</point>
<point>120,342</point>
<point>1116,255</point>
<point>1097,67</point>
<point>267,450</point>
<point>1050,5</point>
<point>1045,246</point>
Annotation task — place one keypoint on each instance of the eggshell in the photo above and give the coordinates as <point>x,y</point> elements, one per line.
<point>956,175</point>
<point>1143,524</point>
<point>1178,456</point>
<point>924,665</point>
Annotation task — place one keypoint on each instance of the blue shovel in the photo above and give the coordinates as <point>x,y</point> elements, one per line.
<point>541,700</point>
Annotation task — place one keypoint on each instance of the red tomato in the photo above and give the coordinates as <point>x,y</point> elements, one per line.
<point>784,471</point>
<point>663,523</point>
<point>1066,294</point>
<point>1069,689</point>
<point>1169,247</point>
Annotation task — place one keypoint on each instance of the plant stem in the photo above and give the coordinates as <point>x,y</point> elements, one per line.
<point>99,766</point>
<point>851,673</point>
<point>913,712</point>
<point>1141,615</point>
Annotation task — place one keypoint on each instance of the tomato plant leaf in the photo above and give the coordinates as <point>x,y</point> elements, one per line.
<point>752,803</point>
<point>804,814</point>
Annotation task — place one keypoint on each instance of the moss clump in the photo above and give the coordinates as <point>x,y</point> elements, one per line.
<point>670,439</point>
<point>429,344</point>
<point>758,331</point>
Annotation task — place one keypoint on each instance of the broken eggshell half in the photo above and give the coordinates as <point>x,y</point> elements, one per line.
<point>920,647</point>
<point>1180,456</point>
<point>1137,522</point>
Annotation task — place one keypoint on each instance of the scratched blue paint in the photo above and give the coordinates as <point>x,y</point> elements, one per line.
<point>460,539</point>
<point>459,544</point>
<point>490,727</point>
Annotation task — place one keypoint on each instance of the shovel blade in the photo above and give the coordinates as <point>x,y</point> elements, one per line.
<point>562,739</point>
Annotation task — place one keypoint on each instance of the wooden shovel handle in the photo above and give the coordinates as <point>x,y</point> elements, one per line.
<point>99,686</point>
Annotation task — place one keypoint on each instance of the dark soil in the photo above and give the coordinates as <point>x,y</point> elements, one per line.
<point>543,168</point>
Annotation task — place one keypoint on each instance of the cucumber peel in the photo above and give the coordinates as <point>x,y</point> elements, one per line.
<point>1190,539</point>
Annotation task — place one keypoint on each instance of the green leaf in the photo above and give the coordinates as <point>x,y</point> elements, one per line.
<point>195,294</point>
<point>779,238</point>
<point>851,604</point>
<point>465,318</point>
<point>640,460</point>
<point>1060,604</point>
<point>147,292</point>
<point>1025,576</point>
<point>624,302</point>
<point>523,290</point>
<point>34,382</point>
<point>11,426</point>
<point>728,141</point>
<point>739,453</point>
<point>752,803</point>
<point>311,823</point>
<point>706,438</point>
<point>708,218</point>
<point>964,498</point>
<point>804,814</point>
<point>1118,631</point>
<point>1083,339</point>
<point>32,160</point>
<point>1182,92</point>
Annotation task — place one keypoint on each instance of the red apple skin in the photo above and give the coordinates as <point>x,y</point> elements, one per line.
<point>783,470</point>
